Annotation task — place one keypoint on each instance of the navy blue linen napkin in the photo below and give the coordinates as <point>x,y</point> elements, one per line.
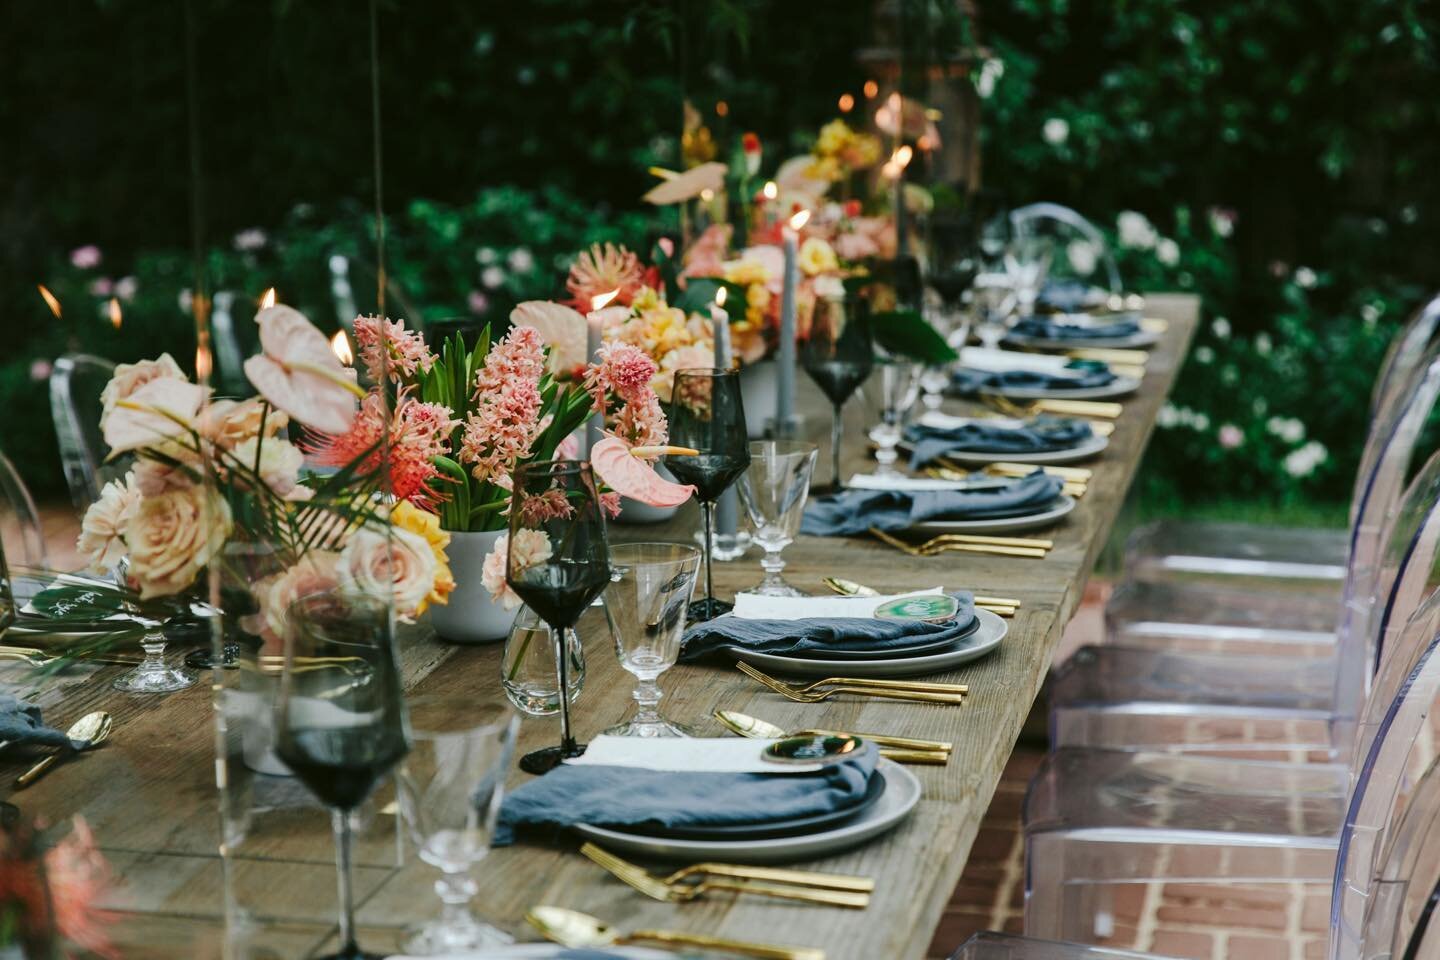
<point>853,512</point>
<point>1039,435</point>
<point>821,633</point>
<point>1042,327</point>
<point>631,797</point>
<point>1077,375</point>
<point>20,723</point>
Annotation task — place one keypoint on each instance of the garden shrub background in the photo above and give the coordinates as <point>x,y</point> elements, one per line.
<point>1277,158</point>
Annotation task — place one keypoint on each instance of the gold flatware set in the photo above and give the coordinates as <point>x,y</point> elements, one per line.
<point>694,882</point>
<point>89,732</point>
<point>1075,480</point>
<point>571,928</point>
<point>1095,409</point>
<point>1026,547</point>
<point>899,749</point>
<point>917,691</point>
<point>1003,606</point>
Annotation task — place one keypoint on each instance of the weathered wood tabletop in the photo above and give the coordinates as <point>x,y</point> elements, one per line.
<point>150,793</point>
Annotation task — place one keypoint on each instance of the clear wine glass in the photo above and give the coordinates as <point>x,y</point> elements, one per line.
<point>838,355</point>
<point>952,263</point>
<point>1027,263</point>
<point>558,563</point>
<point>646,604</point>
<point>707,414</point>
<point>994,301</point>
<point>340,721</point>
<point>774,490</point>
<point>898,387</point>
<point>450,787</point>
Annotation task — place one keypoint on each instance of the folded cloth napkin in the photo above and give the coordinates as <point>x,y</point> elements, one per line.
<point>1079,375</point>
<point>1083,327</point>
<point>634,797</point>
<point>1070,295</point>
<point>811,634</point>
<point>853,512</point>
<point>20,724</point>
<point>1039,435</point>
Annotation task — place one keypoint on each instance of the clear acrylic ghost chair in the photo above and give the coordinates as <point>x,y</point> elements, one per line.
<point>1139,699</point>
<point>1303,558</point>
<point>1215,617</point>
<point>76,382</point>
<point>1081,253</point>
<point>21,537</point>
<point>1100,821</point>
<point>989,945</point>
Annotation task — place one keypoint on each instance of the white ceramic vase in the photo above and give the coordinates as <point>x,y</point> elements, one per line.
<point>758,391</point>
<point>470,616</point>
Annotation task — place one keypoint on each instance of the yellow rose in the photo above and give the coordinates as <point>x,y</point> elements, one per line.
<point>817,256</point>
<point>407,516</point>
<point>834,137</point>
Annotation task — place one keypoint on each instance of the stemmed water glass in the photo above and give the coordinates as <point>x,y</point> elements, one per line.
<point>340,721</point>
<point>994,302</point>
<point>645,605</point>
<point>450,787</point>
<point>1027,263</point>
<point>558,563</point>
<point>774,490</point>
<point>707,414</point>
<point>899,384</point>
<point>952,264</point>
<point>153,675</point>
<point>838,355</point>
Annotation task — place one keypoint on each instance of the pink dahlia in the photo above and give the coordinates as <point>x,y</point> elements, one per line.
<point>601,269</point>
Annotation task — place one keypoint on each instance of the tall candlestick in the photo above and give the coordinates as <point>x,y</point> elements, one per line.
<point>727,509</point>
<point>594,324</point>
<point>785,360</point>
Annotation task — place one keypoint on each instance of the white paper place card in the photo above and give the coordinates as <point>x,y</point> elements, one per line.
<point>940,420</point>
<point>685,755</point>
<point>750,606</point>
<point>1000,361</point>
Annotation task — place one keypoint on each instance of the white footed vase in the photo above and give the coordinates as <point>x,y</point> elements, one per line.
<point>471,616</point>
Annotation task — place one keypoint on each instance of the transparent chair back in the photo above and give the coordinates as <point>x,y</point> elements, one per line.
<point>21,536</point>
<point>229,374</point>
<point>1080,250</point>
<point>75,387</point>
<point>1388,866</point>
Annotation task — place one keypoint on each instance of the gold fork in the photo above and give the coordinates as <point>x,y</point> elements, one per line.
<point>833,686</point>
<point>1075,474</point>
<point>682,892</point>
<point>930,550</point>
<point>1069,487</point>
<point>1076,408</point>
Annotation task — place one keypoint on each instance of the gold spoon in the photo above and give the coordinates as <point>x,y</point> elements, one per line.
<point>89,731</point>
<point>748,726</point>
<point>576,930</point>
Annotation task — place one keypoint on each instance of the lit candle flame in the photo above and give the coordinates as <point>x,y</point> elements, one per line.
<point>720,295</point>
<point>600,300</point>
<point>268,300</point>
<point>847,102</point>
<point>115,317</point>
<point>800,219</point>
<point>871,88</point>
<point>49,299</point>
<point>771,190</point>
<point>202,364</point>
<point>898,161</point>
<point>340,344</point>
<point>707,195</point>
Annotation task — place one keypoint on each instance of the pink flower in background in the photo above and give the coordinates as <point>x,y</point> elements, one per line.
<point>403,351</point>
<point>610,503</point>
<point>1230,436</point>
<point>628,475</point>
<point>642,423</point>
<point>101,287</point>
<point>531,547</point>
<point>601,269</point>
<point>126,288</point>
<point>40,370</point>
<point>86,257</point>
<point>622,369</point>
<point>418,432</point>
<point>568,448</point>
<point>478,302</point>
<point>79,878</point>
<point>550,505</point>
<point>706,256</point>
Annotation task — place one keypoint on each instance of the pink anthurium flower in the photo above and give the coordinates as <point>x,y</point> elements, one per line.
<point>561,328</point>
<point>684,186</point>
<point>298,372</point>
<point>159,410</point>
<point>624,472</point>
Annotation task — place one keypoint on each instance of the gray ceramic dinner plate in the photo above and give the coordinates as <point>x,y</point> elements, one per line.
<point>1141,338</point>
<point>902,792</point>
<point>990,630</point>
<point>1080,451</point>
<point>1052,514</point>
<point>1115,388</point>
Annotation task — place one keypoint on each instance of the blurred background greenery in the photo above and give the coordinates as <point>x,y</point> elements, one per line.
<point>1275,158</point>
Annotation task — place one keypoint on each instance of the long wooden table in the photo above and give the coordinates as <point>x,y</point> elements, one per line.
<point>150,793</point>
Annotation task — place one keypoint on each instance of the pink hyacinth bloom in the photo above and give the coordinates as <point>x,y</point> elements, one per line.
<point>418,432</point>
<point>506,420</point>
<point>403,351</point>
<point>622,369</point>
